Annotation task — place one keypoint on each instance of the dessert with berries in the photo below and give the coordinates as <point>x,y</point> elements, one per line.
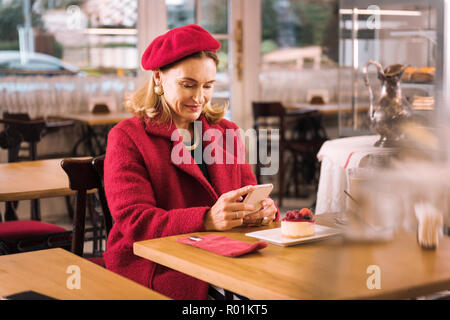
<point>298,224</point>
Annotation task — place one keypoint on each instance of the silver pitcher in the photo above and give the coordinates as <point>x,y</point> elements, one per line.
<point>392,110</point>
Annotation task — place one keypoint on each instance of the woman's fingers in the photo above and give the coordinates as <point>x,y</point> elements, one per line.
<point>229,211</point>
<point>239,206</point>
<point>234,215</point>
<point>235,223</point>
<point>268,211</point>
<point>263,212</point>
<point>229,224</point>
<point>268,202</point>
<point>254,217</point>
<point>234,195</point>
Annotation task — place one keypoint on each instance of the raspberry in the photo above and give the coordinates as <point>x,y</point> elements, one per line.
<point>305,211</point>
<point>290,214</point>
<point>303,214</point>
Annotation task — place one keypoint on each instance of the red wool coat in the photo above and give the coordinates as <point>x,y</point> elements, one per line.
<point>150,196</point>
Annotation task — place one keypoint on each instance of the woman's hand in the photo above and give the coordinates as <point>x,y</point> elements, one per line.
<point>268,210</point>
<point>228,211</point>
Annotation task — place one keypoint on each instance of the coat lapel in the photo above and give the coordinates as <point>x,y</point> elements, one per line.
<point>182,159</point>
<point>221,174</point>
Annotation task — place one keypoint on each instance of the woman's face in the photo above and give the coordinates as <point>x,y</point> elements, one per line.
<point>188,86</point>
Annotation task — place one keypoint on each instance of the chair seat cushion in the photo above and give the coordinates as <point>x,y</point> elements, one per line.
<point>27,228</point>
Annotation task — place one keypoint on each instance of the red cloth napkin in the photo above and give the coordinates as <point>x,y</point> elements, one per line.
<point>223,245</point>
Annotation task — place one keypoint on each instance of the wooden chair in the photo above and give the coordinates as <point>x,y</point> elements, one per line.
<point>308,135</point>
<point>262,112</point>
<point>28,235</point>
<point>85,175</point>
<point>98,164</point>
<point>19,128</point>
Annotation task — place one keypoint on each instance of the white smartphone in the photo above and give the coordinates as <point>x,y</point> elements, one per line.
<point>257,195</point>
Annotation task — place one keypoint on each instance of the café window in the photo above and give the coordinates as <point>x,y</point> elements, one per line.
<point>96,36</point>
<point>213,15</point>
<point>299,50</point>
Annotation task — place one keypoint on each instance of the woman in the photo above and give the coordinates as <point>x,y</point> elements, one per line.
<point>150,192</point>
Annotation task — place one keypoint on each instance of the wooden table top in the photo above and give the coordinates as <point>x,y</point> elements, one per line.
<point>326,108</point>
<point>93,119</point>
<point>45,272</point>
<point>328,269</point>
<point>33,180</point>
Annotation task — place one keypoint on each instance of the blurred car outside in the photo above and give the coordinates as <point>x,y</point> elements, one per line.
<point>35,64</point>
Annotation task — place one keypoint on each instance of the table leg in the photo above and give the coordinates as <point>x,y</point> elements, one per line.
<point>35,206</point>
<point>69,206</point>
<point>75,147</point>
<point>13,153</point>
<point>10,212</point>
<point>228,295</point>
<point>101,138</point>
<point>90,199</point>
<point>89,138</point>
<point>295,173</point>
<point>84,138</point>
<point>35,210</point>
<point>92,140</point>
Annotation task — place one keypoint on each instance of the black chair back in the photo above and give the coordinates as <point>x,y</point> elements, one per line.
<point>267,109</point>
<point>300,135</point>
<point>98,163</point>
<point>82,177</point>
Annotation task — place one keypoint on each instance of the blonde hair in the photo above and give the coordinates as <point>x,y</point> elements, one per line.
<point>146,103</point>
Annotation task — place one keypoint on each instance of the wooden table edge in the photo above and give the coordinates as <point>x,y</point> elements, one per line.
<point>83,118</point>
<point>165,259</point>
<point>157,296</point>
<point>18,196</point>
<point>224,281</point>
<point>404,293</point>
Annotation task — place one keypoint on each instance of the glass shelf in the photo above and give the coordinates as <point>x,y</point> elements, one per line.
<point>407,32</point>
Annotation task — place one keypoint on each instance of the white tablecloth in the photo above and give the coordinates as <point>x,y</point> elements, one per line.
<point>337,157</point>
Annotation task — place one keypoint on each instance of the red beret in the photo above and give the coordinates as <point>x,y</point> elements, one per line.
<point>176,44</point>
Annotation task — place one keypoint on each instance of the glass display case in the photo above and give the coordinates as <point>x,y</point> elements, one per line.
<point>407,32</point>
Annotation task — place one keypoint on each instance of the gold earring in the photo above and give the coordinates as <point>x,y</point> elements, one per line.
<point>159,90</point>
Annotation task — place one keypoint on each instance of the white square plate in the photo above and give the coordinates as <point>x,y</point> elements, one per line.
<point>274,235</point>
